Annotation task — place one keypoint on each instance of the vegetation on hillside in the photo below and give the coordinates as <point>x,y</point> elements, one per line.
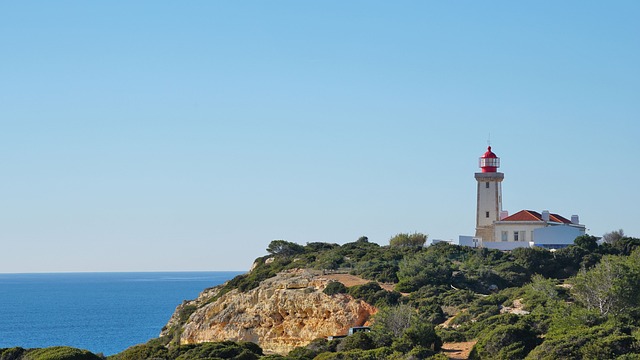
<point>51,353</point>
<point>580,302</point>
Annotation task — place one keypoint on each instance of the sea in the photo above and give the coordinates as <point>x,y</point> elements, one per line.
<point>100,312</point>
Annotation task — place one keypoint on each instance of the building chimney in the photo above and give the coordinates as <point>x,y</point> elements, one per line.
<point>575,219</point>
<point>504,214</point>
<point>545,215</point>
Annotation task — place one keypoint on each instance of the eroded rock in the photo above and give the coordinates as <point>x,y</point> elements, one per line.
<point>283,312</point>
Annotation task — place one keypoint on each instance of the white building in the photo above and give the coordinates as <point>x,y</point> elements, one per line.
<point>551,231</point>
<point>526,228</point>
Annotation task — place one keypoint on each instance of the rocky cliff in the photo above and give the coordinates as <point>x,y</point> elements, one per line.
<point>285,311</point>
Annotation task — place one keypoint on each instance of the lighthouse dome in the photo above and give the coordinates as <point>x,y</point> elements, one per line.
<point>489,162</point>
<point>489,154</point>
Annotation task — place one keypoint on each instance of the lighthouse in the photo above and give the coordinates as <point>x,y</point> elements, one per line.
<point>495,229</point>
<point>489,201</point>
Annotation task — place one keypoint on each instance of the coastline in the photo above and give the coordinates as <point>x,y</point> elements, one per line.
<point>103,312</point>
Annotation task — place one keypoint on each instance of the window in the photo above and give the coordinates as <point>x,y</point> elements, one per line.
<point>515,236</point>
<point>505,236</point>
<point>487,214</point>
<point>523,236</point>
<point>486,185</point>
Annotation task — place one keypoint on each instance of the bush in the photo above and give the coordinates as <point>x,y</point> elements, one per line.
<point>451,335</point>
<point>360,340</point>
<point>383,353</point>
<point>224,350</point>
<point>61,353</point>
<point>426,267</point>
<point>373,294</point>
<point>144,351</point>
<point>458,298</point>
<point>301,353</point>
<point>408,240</point>
<point>419,335</point>
<point>12,353</point>
<point>335,287</point>
<point>505,342</point>
<point>420,352</point>
<point>579,335</point>
<point>378,269</point>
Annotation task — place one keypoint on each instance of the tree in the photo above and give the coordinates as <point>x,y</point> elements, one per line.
<point>394,320</point>
<point>404,329</point>
<point>613,237</point>
<point>285,248</point>
<point>408,240</point>
<point>626,245</point>
<point>587,242</point>
<point>536,261</point>
<point>319,247</point>
<point>540,291</point>
<point>610,287</point>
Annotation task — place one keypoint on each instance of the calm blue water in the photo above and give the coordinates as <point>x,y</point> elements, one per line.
<point>101,312</point>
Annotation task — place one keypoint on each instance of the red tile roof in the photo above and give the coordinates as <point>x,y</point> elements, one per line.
<point>530,215</point>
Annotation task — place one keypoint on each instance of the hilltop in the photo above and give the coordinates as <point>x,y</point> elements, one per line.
<point>506,301</point>
<point>438,302</point>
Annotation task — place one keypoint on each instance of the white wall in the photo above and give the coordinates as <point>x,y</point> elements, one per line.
<point>563,235</point>
<point>510,227</point>
<point>489,198</point>
<point>464,240</point>
<point>504,245</point>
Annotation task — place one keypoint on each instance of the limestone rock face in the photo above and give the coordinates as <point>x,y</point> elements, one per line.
<point>285,311</point>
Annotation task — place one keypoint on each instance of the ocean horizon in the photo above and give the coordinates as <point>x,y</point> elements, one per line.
<point>103,312</point>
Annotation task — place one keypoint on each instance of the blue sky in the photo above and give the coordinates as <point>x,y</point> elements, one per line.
<point>163,135</point>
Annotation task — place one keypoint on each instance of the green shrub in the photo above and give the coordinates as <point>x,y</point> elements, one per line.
<point>60,353</point>
<point>373,294</point>
<point>335,287</point>
<point>458,298</point>
<point>421,335</point>
<point>451,335</point>
<point>383,353</point>
<point>359,340</point>
<point>302,353</point>
<point>408,240</point>
<point>224,350</point>
<point>143,351</point>
<point>575,338</point>
<point>505,342</point>
<point>14,353</point>
<point>420,352</point>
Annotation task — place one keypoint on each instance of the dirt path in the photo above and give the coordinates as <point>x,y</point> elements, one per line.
<point>459,350</point>
<point>347,280</point>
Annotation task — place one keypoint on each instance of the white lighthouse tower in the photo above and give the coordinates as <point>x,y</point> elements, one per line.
<point>489,204</point>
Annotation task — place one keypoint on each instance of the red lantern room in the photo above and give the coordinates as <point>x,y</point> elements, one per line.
<point>489,162</point>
